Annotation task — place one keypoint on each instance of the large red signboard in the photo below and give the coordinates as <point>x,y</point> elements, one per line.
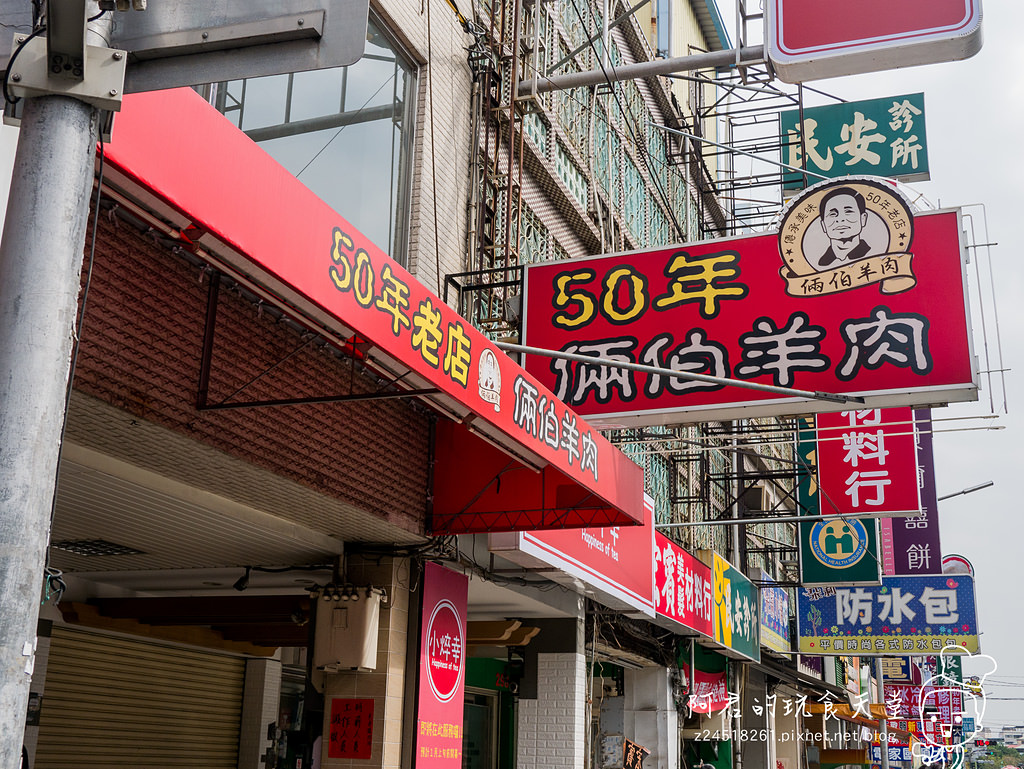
<point>811,39</point>
<point>885,320</point>
<point>442,678</point>
<point>190,164</point>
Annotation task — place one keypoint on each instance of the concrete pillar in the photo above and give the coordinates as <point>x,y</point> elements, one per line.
<point>650,717</point>
<point>35,690</point>
<point>753,699</point>
<point>552,727</point>
<point>385,685</point>
<point>261,697</point>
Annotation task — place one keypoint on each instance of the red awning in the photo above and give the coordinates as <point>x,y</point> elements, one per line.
<point>179,159</point>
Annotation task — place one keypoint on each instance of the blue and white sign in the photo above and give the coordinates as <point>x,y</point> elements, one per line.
<point>774,616</point>
<point>903,615</point>
<point>896,753</point>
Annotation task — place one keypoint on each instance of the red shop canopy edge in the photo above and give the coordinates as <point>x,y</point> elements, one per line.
<point>510,456</point>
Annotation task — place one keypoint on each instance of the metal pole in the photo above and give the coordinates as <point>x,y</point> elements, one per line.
<point>40,261</point>
<point>979,487</point>
<point>645,369</point>
<point>751,54</point>
<point>735,149</point>
<point>789,519</point>
<point>880,677</point>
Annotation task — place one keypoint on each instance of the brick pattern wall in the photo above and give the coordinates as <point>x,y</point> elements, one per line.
<point>552,728</point>
<point>141,350</point>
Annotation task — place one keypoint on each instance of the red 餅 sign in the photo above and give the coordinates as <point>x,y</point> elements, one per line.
<point>210,178</point>
<point>351,728</point>
<point>889,323</point>
<point>867,461</point>
<point>615,560</point>
<point>442,669</point>
<point>683,587</point>
<point>811,39</point>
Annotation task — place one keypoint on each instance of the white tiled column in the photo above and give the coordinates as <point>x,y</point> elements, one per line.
<point>261,699</point>
<point>552,727</point>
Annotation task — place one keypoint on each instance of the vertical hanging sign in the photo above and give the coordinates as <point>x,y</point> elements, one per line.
<point>442,678</point>
<point>832,552</point>
<point>734,613</point>
<point>915,541</point>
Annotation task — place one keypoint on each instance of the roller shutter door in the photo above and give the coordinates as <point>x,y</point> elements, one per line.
<point>118,702</point>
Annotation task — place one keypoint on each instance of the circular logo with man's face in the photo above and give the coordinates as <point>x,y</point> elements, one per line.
<point>843,234</point>
<point>839,543</point>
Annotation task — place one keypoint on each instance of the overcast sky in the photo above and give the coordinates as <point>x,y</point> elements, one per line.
<point>975,120</point>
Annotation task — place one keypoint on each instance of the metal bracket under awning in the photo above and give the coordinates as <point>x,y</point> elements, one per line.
<point>386,392</point>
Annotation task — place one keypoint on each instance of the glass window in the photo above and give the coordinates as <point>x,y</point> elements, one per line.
<point>345,133</point>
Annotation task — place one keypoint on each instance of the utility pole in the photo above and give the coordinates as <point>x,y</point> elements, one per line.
<point>40,267</point>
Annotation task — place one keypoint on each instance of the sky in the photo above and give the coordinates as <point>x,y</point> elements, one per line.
<point>975,111</point>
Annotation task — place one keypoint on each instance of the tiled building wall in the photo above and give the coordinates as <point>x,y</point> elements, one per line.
<point>553,727</point>
<point>437,237</point>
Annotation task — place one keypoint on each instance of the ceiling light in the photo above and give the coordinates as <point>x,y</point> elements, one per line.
<point>243,582</point>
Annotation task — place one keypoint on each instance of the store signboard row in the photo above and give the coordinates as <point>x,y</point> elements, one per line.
<point>639,570</point>
<point>867,461</point>
<point>909,701</point>
<point>903,615</point>
<point>853,294</point>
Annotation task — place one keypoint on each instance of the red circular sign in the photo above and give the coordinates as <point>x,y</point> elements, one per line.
<point>446,645</point>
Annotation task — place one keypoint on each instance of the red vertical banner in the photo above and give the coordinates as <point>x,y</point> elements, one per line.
<point>916,547</point>
<point>867,462</point>
<point>442,675</point>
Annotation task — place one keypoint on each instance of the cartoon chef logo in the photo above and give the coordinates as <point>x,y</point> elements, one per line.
<point>489,378</point>
<point>845,234</point>
<point>943,737</point>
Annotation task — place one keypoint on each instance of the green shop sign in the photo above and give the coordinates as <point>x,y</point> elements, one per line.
<point>734,614</point>
<point>880,137</point>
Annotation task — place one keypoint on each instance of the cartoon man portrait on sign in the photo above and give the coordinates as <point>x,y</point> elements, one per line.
<point>845,234</point>
<point>844,216</point>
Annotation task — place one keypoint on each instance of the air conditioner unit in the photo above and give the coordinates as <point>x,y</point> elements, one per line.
<point>346,632</point>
